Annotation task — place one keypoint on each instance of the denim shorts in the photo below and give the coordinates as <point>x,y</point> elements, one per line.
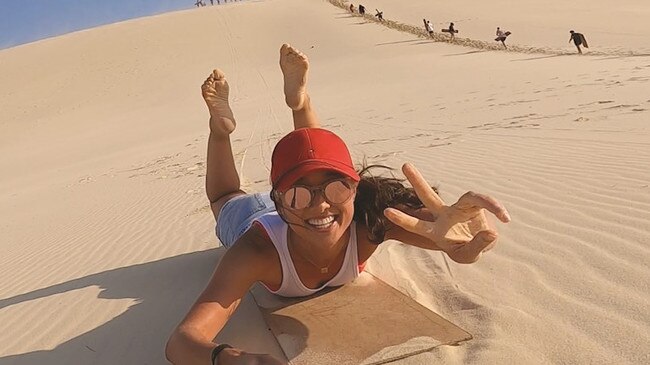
<point>239,213</point>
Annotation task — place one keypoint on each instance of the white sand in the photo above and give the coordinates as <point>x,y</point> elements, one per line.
<point>106,237</point>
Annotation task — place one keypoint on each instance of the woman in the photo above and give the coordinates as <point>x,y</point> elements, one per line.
<point>321,220</point>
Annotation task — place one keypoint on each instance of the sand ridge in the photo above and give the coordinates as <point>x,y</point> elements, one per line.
<point>438,36</point>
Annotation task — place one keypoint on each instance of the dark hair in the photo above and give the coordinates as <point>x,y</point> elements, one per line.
<point>376,193</point>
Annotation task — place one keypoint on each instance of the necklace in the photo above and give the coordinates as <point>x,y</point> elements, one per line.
<point>323,269</point>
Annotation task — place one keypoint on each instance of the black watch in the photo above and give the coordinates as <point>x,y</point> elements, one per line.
<point>217,350</point>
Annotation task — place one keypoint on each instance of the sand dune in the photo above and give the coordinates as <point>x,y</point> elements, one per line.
<point>107,237</point>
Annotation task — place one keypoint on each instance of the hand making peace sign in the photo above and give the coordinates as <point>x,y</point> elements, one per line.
<point>461,230</point>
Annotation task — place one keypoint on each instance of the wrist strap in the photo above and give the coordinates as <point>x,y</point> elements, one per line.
<point>217,350</point>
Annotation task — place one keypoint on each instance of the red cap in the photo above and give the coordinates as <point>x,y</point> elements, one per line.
<point>306,150</point>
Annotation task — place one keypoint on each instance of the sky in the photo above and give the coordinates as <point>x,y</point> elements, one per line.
<point>26,21</point>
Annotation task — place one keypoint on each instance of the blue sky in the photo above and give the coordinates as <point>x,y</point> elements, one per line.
<point>23,21</point>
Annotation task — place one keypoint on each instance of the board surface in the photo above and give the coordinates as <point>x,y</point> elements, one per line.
<point>584,41</point>
<point>365,322</point>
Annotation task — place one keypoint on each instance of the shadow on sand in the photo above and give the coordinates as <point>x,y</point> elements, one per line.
<point>540,57</point>
<point>465,53</point>
<point>164,289</point>
<point>623,56</point>
<point>398,42</point>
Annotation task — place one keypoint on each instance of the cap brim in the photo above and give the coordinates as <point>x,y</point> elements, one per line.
<point>310,166</point>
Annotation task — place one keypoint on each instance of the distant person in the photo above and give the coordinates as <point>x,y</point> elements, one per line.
<point>362,9</point>
<point>351,8</point>
<point>578,39</point>
<point>451,30</point>
<point>501,37</point>
<point>379,15</point>
<point>429,27</point>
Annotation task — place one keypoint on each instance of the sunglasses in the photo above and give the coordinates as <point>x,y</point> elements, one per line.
<point>300,197</point>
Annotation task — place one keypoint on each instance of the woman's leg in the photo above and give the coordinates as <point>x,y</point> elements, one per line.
<point>294,65</point>
<point>222,180</point>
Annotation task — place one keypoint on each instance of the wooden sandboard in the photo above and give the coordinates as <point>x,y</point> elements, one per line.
<point>584,41</point>
<point>365,322</point>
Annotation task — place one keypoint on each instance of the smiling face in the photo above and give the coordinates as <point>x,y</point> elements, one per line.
<point>322,223</point>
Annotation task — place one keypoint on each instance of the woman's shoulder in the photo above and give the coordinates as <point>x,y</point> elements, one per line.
<point>264,254</point>
<point>247,261</point>
<point>257,241</point>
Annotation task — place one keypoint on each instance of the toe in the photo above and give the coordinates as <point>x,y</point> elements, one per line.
<point>218,74</point>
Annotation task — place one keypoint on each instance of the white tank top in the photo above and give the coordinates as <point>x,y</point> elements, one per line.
<point>291,285</point>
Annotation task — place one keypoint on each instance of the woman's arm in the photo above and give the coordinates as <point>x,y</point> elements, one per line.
<point>241,266</point>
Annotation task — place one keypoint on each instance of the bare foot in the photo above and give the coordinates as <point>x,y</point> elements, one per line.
<point>215,93</point>
<point>294,65</point>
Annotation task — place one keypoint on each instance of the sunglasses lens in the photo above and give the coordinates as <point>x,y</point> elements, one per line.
<point>338,192</point>
<point>297,198</point>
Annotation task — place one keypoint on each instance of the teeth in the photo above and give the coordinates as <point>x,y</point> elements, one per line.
<point>321,221</point>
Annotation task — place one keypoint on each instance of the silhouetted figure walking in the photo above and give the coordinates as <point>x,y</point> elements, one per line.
<point>501,37</point>
<point>362,9</point>
<point>579,40</point>
<point>428,27</point>
<point>451,30</point>
<point>380,15</point>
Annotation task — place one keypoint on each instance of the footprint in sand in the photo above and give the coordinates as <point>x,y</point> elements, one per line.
<point>620,106</point>
<point>433,145</point>
<point>203,209</point>
<point>387,154</point>
<point>333,126</point>
<point>373,141</point>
